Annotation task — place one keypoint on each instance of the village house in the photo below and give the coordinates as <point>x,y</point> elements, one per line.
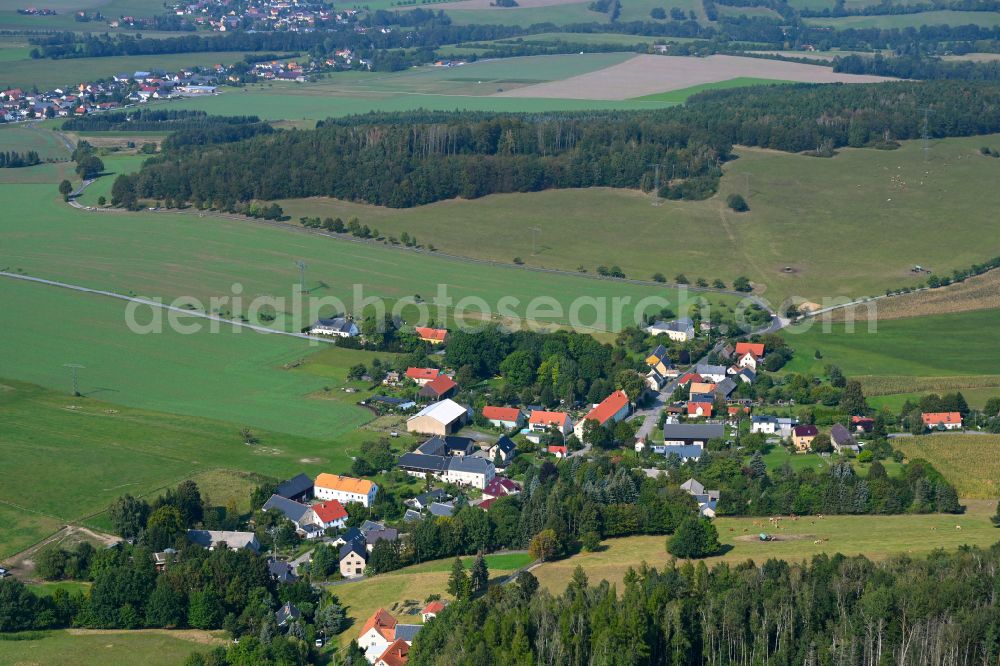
<point>686,440</point>
<point>397,654</point>
<point>382,630</point>
<point>439,388</point>
<point>340,327</point>
<point>432,609</point>
<point>802,437</point>
<point>773,425</point>
<point>504,448</point>
<point>714,373</point>
<point>345,489</point>
<point>330,514</point>
<point>611,410</point>
<point>507,418</point>
<point>435,336</point>
<point>353,559</point>
<point>540,421</point>
<point>301,515</point>
<point>440,418</point>
<point>680,330</point>
<point>699,410</point>
<point>942,420</point>
<point>842,439</point>
<point>298,488</point>
<point>422,376</point>
<point>661,368</point>
<point>748,354</point>
<point>706,499</point>
<point>500,487</point>
<point>862,423</point>
<point>558,450</point>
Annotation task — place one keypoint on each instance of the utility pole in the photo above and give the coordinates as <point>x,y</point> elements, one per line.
<point>534,238</point>
<point>656,184</point>
<point>74,367</point>
<point>925,133</point>
<point>302,273</point>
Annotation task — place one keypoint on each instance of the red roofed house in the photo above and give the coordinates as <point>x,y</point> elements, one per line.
<point>612,409</point>
<point>503,417</point>
<point>432,609</point>
<point>700,409</point>
<point>559,450</point>
<point>397,654</point>
<point>689,377</point>
<point>330,514</point>
<point>945,420</point>
<point>379,629</point>
<point>748,353</point>
<point>435,336</point>
<point>500,487</point>
<point>539,422</point>
<point>422,375</point>
<point>862,423</point>
<point>439,388</point>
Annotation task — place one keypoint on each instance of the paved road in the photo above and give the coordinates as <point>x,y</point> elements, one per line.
<point>155,304</point>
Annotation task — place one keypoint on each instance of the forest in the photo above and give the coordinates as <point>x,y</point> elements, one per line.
<point>831,610</point>
<point>409,159</point>
<point>151,120</point>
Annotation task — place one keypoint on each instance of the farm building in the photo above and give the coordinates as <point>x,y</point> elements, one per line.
<point>440,418</point>
<point>503,417</point>
<point>345,489</point>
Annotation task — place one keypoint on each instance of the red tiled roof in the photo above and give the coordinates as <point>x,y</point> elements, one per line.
<point>558,448</point>
<point>608,407</point>
<point>706,408</point>
<point>396,654</point>
<point>689,377</point>
<point>755,348</point>
<point>487,503</point>
<point>857,420</point>
<point>511,414</point>
<point>329,511</point>
<point>441,384</point>
<point>934,418</point>
<point>426,333</point>
<point>422,373</point>
<point>434,607</point>
<point>539,417</point>
<point>383,622</point>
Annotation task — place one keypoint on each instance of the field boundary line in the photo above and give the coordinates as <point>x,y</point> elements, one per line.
<point>151,303</point>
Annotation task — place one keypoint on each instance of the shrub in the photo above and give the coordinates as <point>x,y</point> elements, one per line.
<point>737,203</point>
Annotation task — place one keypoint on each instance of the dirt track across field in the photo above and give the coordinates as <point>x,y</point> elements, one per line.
<point>651,74</point>
<point>22,564</point>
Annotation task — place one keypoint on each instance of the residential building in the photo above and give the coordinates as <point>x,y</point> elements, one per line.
<point>450,445</point>
<point>281,572</point>
<point>862,423</point>
<point>353,559</point>
<point>432,610</point>
<point>287,614</point>
<point>699,409</point>
<point>424,500</point>
<point>803,435</point>
<point>442,509</point>
<point>382,533</point>
<point>715,373</point>
<point>345,489</point>
<point>661,368</point>
<point>300,514</point>
<point>330,514</point>
<point>692,434</point>
<point>505,449</point>
<point>942,420</point>
<point>701,388</point>
<point>725,388</point>
<point>680,330</point>
<point>422,376</point>
<point>434,336</point>
<point>540,421</point>
<point>558,450</point>
<point>213,539</point>
<point>397,654</point>
<point>707,499</point>
<point>500,486</point>
<point>340,327</point>
<point>439,418</point>
<point>378,631</point>
<point>611,410</point>
<point>755,349</point>
<point>470,471</point>
<point>504,417</point>
<point>773,425</point>
<point>842,439</point>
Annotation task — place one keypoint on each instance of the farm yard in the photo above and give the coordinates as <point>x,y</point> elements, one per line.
<point>649,74</point>
<point>876,537</point>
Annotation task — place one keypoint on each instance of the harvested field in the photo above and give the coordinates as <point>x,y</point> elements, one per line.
<point>648,74</point>
<point>972,57</point>
<point>977,293</point>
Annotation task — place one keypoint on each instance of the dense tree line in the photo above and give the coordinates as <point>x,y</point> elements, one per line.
<point>151,120</point>
<point>409,159</point>
<point>916,67</point>
<point>10,159</point>
<point>832,610</point>
<point>887,8</point>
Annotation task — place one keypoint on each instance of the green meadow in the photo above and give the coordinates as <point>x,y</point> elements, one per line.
<point>944,345</point>
<point>680,96</point>
<point>22,138</point>
<point>889,21</point>
<point>77,647</point>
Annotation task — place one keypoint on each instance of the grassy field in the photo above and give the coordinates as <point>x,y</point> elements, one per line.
<point>171,255</point>
<point>876,537</point>
<point>51,73</point>
<point>79,647</point>
<point>889,202</point>
<point>889,21</point>
<point>943,346</point>
<point>235,377</point>
<point>970,462</point>
<point>50,588</point>
<point>976,293</point>
<point>679,96</point>
<point>976,397</point>
<point>94,449</point>
<point>22,138</point>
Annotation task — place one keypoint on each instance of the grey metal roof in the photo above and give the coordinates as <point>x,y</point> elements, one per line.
<point>354,547</point>
<point>505,444</point>
<point>725,387</point>
<point>297,485</point>
<point>407,631</point>
<point>292,510</point>
<point>693,431</point>
<point>685,451</point>
<point>469,465</point>
<point>418,462</point>
<point>706,369</point>
<point>441,509</point>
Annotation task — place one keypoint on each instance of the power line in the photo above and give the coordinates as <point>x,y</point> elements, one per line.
<point>534,234</point>
<point>656,184</point>
<point>925,133</point>
<point>302,273</point>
